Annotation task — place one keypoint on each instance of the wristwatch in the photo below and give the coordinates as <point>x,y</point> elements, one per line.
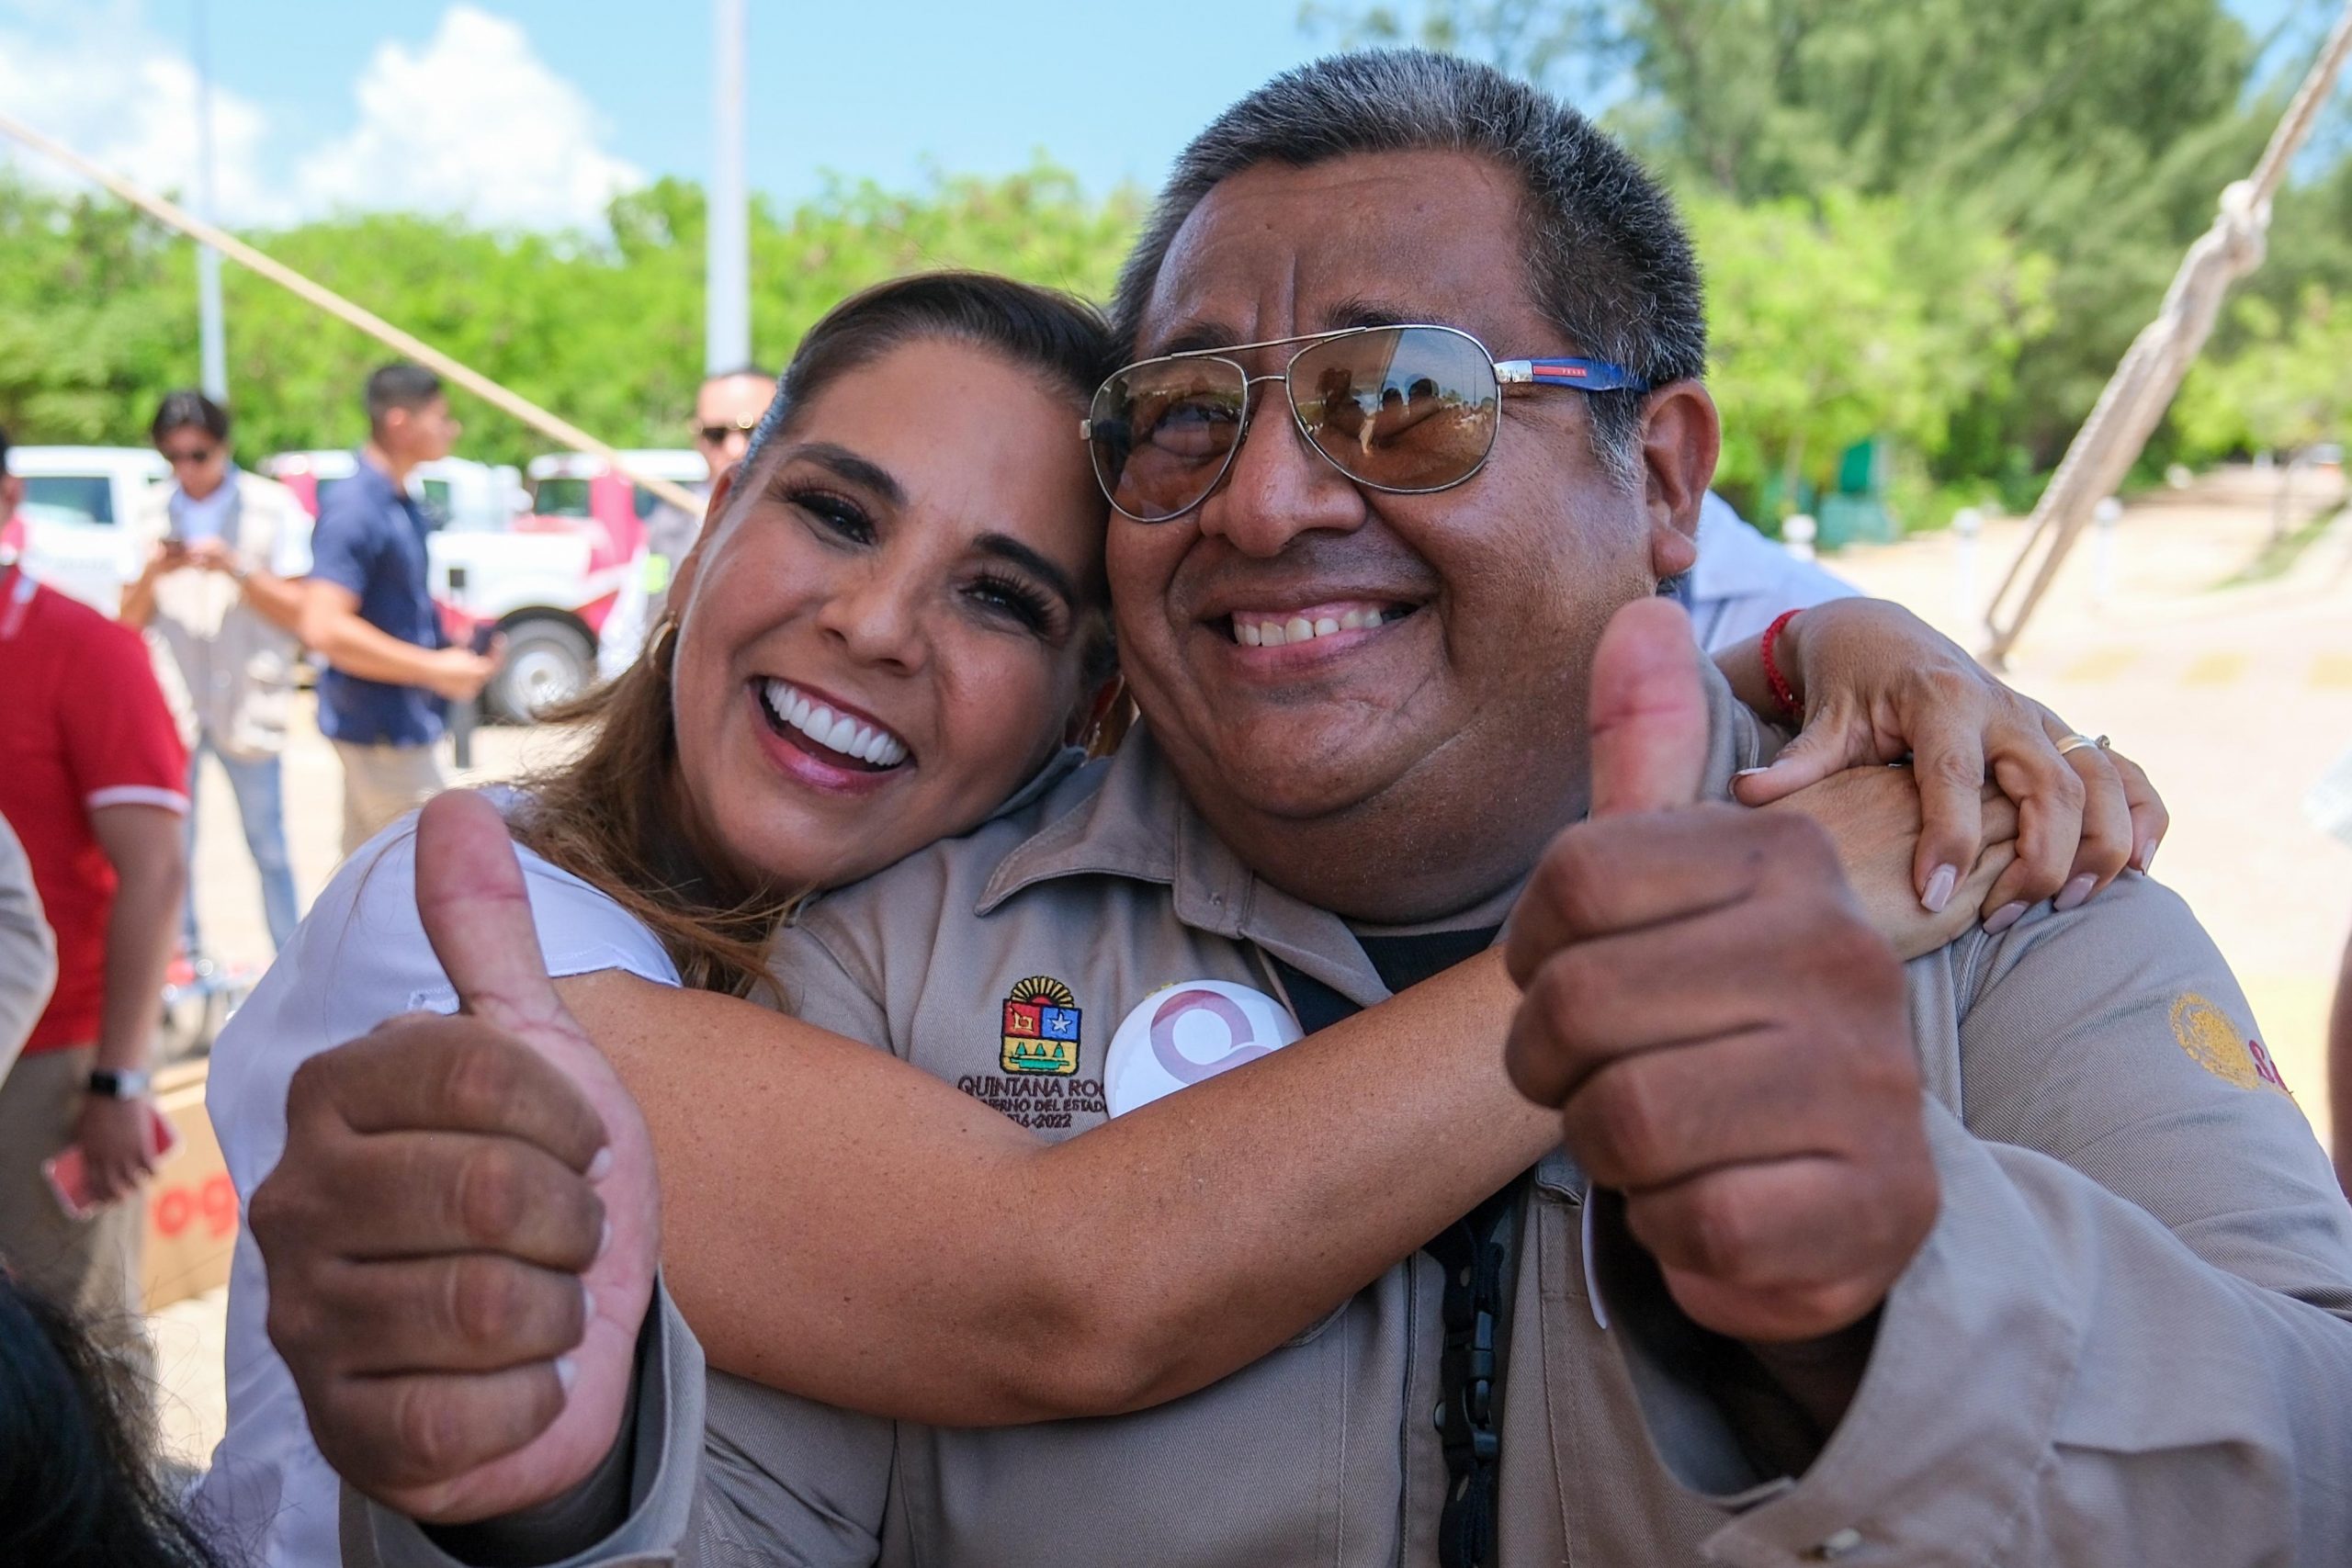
<point>126,1083</point>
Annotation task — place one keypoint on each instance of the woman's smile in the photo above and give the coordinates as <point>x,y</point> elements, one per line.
<point>822,741</point>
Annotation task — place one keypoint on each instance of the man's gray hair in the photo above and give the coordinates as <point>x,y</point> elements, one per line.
<point>1606,258</point>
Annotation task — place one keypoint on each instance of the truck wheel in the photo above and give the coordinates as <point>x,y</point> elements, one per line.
<point>548,661</point>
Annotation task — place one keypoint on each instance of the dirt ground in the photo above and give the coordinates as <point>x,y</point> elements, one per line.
<point>2234,698</point>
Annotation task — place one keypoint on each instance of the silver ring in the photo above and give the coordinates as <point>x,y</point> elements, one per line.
<point>2076,743</point>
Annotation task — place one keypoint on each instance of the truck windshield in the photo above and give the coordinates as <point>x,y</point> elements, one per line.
<point>561,497</point>
<point>87,496</point>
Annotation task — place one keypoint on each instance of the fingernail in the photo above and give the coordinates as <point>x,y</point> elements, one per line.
<point>2004,918</point>
<point>1939,887</point>
<point>2075,893</point>
<point>601,1165</point>
<point>604,1242</point>
<point>567,1373</point>
<point>1750,772</point>
<point>587,1304</point>
<point>2147,856</point>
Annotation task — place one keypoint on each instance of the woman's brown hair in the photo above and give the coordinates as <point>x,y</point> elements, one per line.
<point>609,814</point>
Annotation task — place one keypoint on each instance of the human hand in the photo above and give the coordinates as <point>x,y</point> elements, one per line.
<point>1873,820</point>
<point>165,555</point>
<point>1727,1038</point>
<point>460,674</point>
<point>116,1152</point>
<point>209,554</point>
<point>1877,684</point>
<point>461,1235</point>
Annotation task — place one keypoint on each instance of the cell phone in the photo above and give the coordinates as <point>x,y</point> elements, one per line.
<point>69,1177</point>
<point>485,633</point>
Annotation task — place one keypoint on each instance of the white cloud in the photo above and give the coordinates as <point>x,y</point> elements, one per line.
<point>115,93</point>
<point>475,123</point>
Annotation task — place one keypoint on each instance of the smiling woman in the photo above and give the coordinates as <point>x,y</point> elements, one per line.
<point>896,616</point>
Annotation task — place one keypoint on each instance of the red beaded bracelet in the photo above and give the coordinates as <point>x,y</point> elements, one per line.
<point>1783,692</point>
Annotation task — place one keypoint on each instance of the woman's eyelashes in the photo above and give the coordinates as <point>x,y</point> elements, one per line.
<point>1029,605</point>
<point>834,514</point>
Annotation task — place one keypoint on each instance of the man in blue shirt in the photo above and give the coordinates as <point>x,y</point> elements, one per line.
<point>369,612</point>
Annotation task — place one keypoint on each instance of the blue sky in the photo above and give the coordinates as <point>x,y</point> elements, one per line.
<point>530,112</point>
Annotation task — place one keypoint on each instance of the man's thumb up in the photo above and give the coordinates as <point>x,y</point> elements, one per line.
<point>1648,712</point>
<point>477,914</point>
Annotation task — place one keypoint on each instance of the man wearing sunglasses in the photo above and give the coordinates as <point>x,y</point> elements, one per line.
<point>2016,1253</point>
<point>226,553</point>
<point>726,410</point>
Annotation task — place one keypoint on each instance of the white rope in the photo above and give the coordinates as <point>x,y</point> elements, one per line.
<point>334,304</point>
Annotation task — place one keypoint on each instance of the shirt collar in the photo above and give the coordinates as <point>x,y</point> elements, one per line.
<point>1138,824</point>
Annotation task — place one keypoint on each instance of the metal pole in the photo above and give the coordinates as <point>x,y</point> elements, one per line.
<point>211,333</point>
<point>727,277</point>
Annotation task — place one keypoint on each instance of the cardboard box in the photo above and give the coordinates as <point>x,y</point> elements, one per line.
<point>191,1204</point>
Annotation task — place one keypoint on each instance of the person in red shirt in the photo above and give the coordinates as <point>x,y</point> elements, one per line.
<point>93,779</point>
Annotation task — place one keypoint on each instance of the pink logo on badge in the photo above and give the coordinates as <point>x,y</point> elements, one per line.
<point>1187,1033</point>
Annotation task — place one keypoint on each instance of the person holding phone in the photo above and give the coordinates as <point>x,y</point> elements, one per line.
<point>226,554</point>
<point>92,779</point>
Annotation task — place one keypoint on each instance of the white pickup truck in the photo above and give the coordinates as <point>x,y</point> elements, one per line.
<point>69,531</point>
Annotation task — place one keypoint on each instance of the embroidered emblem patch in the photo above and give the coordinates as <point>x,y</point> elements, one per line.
<point>1040,1028</point>
<point>2213,1042</point>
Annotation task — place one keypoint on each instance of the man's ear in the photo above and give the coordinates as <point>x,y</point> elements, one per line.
<point>1681,437</point>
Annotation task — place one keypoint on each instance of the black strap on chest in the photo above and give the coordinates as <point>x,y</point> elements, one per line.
<point>1474,1253</point>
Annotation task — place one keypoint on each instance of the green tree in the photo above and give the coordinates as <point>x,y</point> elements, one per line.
<point>2094,134</point>
<point>97,305</point>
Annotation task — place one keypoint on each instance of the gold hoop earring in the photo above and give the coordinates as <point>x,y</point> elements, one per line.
<point>663,637</point>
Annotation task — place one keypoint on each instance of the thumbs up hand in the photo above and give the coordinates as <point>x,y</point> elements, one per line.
<point>1725,1036</point>
<point>462,1233</point>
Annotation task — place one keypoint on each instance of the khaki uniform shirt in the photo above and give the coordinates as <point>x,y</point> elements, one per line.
<point>2125,1342</point>
<point>229,666</point>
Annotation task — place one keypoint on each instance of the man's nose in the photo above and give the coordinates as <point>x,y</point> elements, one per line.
<point>1277,489</point>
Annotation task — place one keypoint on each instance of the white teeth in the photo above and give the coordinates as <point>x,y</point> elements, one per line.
<point>1250,633</point>
<point>837,732</point>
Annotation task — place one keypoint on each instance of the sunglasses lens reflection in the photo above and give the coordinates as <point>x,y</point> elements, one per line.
<point>1402,409</point>
<point>1163,434</point>
<point>1398,409</point>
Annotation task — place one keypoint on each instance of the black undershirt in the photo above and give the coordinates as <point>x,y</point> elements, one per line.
<point>1475,1252</point>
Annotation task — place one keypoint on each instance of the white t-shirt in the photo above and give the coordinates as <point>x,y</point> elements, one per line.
<point>1744,580</point>
<point>357,959</point>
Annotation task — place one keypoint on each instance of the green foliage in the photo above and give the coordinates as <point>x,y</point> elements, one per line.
<point>1837,320</point>
<point>97,314</point>
<point>1942,219</point>
<point>2288,385</point>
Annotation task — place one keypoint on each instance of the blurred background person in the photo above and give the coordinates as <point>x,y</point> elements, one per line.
<point>367,610</point>
<point>726,410</point>
<point>225,555</point>
<point>78,1486</point>
<point>93,778</point>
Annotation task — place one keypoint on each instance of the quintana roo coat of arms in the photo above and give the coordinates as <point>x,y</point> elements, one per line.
<point>1040,1028</point>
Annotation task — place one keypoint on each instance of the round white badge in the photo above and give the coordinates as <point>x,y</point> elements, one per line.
<point>1184,1033</point>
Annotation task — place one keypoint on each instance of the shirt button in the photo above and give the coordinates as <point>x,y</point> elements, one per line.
<point>1845,1543</point>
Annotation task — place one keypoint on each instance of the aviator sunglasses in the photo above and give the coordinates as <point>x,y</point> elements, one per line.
<point>1408,410</point>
